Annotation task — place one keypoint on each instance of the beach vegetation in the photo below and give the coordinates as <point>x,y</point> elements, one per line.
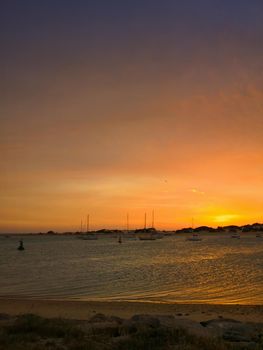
<point>31,332</point>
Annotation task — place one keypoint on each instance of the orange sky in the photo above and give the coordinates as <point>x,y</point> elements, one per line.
<point>171,123</point>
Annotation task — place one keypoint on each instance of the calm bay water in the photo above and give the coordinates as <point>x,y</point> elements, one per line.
<point>218,269</point>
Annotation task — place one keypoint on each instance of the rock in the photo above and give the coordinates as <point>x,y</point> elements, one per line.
<point>192,327</point>
<point>142,320</point>
<point>101,318</point>
<point>115,319</point>
<point>145,320</point>
<point>166,320</point>
<point>221,323</point>
<point>234,331</point>
<point>98,318</point>
<point>235,335</point>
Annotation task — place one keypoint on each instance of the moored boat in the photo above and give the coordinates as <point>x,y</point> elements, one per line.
<point>88,237</point>
<point>235,235</point>
<point>195,237</point>
<point>146,237</point>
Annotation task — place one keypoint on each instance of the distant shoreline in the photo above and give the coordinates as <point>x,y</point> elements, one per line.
<point>248,228</point>
<point>129,235</point>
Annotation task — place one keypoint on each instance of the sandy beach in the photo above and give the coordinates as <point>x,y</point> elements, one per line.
<point>128,325</point>
<point>82,310</point>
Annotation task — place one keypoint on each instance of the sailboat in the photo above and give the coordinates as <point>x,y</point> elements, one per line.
<point>130,233</point>
<point>236,235</point>
<point>88,236</point>
<point>195,237</point>
<point>149,234</point>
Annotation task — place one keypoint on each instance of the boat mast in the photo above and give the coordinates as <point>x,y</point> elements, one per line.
<point>128,222</point>
<point>153,219</point>
<point>145,221</point>
<point>87,223</point>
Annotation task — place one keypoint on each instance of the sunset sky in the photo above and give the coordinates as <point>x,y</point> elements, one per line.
<point>113,106</point>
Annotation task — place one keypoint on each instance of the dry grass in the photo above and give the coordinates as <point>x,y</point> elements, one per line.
<point>30,332</point>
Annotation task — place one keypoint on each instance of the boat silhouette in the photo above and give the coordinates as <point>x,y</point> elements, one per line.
<point>21,246</point>
<point>195,237</point>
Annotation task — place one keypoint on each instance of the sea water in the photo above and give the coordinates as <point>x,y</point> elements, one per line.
<point>218,269</point>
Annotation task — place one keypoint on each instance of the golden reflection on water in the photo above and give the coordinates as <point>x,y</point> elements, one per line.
<point>217,269</point>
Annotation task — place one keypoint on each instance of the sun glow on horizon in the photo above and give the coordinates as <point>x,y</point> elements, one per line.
<point>227,218</point>
<point>63,207</point>
<point>114,108</point>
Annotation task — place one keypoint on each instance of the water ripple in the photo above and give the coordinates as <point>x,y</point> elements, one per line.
<point>215,270</point>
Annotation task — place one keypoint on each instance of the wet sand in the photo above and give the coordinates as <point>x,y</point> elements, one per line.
<point>83,310</point>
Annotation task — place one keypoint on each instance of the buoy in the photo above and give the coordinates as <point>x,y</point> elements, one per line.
<point>21,246</point>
